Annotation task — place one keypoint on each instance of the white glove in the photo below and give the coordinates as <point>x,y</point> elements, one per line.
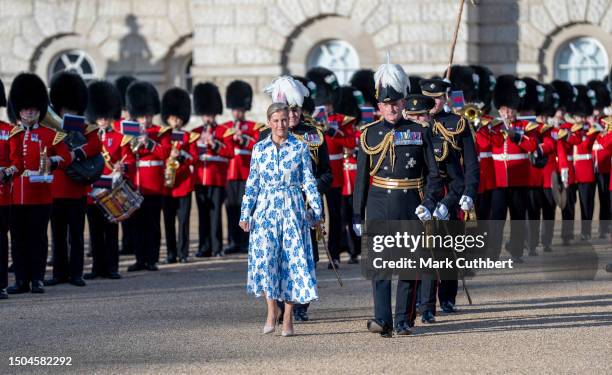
<point>441,212</point>
<point>565,176</point>
<point>357,229</point>
<point>423,213</point>
<point>466,203</point>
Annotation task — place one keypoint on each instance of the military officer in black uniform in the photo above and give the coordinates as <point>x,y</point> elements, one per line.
<point>397,178</point>
<point>455,133</point>
<point>295,94</point>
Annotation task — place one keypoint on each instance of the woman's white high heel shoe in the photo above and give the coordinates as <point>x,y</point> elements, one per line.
<point>288,333</point>
<point>269,329</point>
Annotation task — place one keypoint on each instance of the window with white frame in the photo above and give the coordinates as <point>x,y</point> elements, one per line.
<point>336,55</point>
<point>76,61</point>
<point>581,60</point>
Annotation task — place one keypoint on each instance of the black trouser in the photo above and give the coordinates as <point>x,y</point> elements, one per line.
<point>548,215</point>
<point>587,206</point>
<point>177,207</point>
<point>236,236</point>
<point>333,197</point>
<point>483,205</point>
<point>534,212</point>
<point>350,240</point>
<point>28,228</point>
<point>67,228</point>
<point>147,230</point>
<point>426,294</point>
<point>4,245</point>
<point>405,301</point>
<point>504,199</point>
<point>210,200</point>
<point>605,208</point>
<point>568,213</point>
<point>127,239</point>
<point>104,240</point>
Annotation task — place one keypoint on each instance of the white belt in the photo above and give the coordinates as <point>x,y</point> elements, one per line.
<point>150,163</point>
<point>350,167</point>
<point>578,157</point>
<point>483,155</point>
<point>221,159</point>
<point>239,151</point>
<point>336,156</point>
<point>503,157</point>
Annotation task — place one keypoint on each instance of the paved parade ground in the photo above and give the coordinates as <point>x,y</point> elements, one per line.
<point>197,318</point>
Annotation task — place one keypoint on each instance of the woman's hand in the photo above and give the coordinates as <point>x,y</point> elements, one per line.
<point>244,225</point>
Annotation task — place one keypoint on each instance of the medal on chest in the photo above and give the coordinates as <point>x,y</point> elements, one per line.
<point>407,138</point>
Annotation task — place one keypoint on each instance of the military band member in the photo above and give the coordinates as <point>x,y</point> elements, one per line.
<point>178,179</point>
<point>35,151</point>
<point>68,95</point>
<point>103,108</point>
<point>122,83</point>
<point>5,196</point>
<point>295,94</point>
<point>238,98</point>
<point>215,149</point>
<point>452,133</point>
<point>363,80</point>
<point>404,180</point>
<point>150,149</point>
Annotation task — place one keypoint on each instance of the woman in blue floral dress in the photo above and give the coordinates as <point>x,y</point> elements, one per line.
<point>281,265</point>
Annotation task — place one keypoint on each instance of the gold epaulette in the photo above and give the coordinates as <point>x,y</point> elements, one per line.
<point>365,126</point>
<point>531,126</point>
<point>59,136</point>
<point>126,139</point>
<point>561,133</point>
<point>592,130</point>
<point>193,136</point>
<point>15,130</point>
<point>164,129</point>
<point>259,126</point>
<point>90,128</point>
<point>576,127</point>
<point>607,121</point>
<point>545,128</point>
<point>424,124</point>
<point>347,120</point>
<point>229,132</point>
<point>265,128</point>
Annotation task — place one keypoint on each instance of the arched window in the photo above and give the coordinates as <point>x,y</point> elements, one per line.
<point>336,55</point>
<point>76,61</point>
<point>581,60</point>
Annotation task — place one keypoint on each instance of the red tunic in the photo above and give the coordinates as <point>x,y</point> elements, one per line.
<point>485,156</point>
<point>149,173</point>
<point>211,166</point>
<point>583,158</point>
<point>241,161</point>
<point>511,160</point>
<point>549,148</point>
<point>337,143</point>
<point>183,181</point>
<point>5,162</point>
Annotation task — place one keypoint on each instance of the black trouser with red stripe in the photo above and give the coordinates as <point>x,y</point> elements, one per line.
<point>104,240</point>
<point>586,192</point>
<point>147,230</point>
<point>548,215</point>
<point>605,207</point>
<point>237,238</point>
<point>4,245</point>
<point>29,246</point>
<point>334,197</point>
<point>177,207</point>
<point>210,231</point>
<point>515,200</point>
<point>567,214</point>
<point>67,230</point>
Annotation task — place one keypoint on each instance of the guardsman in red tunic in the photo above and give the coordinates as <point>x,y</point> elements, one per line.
<point>215,149</point>
<point>150,149</point>
<point>68,95</point>
<point>35,151</point>
<point>5,196</point>
<point>548,134</point>
<point>103,109</point>
<point>601,155</point>
<point>238,98</point>
<point>178,179</point>
<point>510,148</point>
<point>583,159</point>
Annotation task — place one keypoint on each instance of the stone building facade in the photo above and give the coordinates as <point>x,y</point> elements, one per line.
<point>178,42</point>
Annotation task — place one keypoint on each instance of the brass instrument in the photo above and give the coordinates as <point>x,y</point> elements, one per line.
<point>470,217</point>
<point>172,164</point>
<point>472,113</point>
<point>52,120</point>
<point>44,169</point>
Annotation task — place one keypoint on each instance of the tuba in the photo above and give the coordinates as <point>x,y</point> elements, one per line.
<point>52,120</point>
<point>172,164</point>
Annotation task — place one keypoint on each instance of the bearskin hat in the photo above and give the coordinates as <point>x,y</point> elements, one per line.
<point>415,84</point>
<point>346,102</point>
<point>309,105</point>
<point>326,85</point>
<point>565,90</point>
<point>103,101</point>
<point>207,99</point>
<point>28,91</point>
<point>142,99</point>
<point>463,78</point>
<point>122,83</point>
<point>508,92</point>
<point>363,80</point>
<point>239,95</point>
<point>534,95</point>
<point>582,105</point>
<point>68,90</point>
<point>486,84</point>
<point>602,95</point>
<point>550,102</point>
<point>176,102</point>
<point>2,95</point>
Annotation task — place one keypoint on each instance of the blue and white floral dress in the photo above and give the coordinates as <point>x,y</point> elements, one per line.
<point>281,264</point>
